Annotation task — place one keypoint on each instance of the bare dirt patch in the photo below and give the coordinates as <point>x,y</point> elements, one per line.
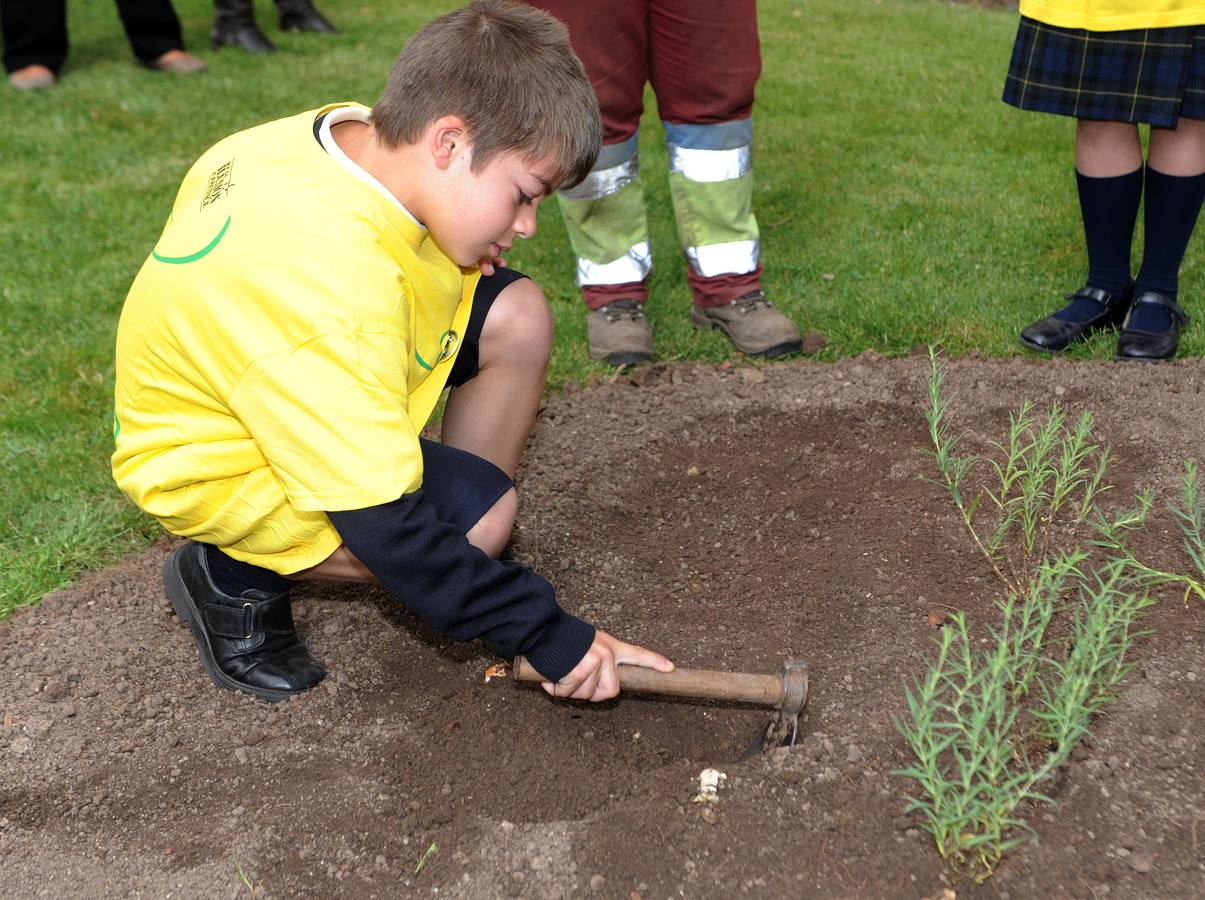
<point>754,513</point>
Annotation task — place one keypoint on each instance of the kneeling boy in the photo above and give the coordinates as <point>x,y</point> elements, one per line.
<point>322,278</point>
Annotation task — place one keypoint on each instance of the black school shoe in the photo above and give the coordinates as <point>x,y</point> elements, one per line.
<point>1051,335</point>
<point>246,643</point>
<point>1151,346</point>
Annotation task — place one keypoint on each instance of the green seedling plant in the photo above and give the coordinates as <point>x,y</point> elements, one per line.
<point>426,857</point>
<point>1191,516</point>
<point>996,717</point>
<point>1048,479</point>
<point>244,878</point>
<point>1113,532</point>
<point>981,750</point>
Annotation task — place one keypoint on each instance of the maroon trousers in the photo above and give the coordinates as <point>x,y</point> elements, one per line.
<point>703,59</point>
<point>701,56</point>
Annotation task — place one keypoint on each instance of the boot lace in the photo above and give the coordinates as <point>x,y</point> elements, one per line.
<point>751,302</point>
<point>620,309</point>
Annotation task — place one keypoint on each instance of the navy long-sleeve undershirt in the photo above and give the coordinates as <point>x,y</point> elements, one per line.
<point>442,578</point>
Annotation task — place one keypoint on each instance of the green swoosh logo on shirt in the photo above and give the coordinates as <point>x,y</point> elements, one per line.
<point>193,257</point>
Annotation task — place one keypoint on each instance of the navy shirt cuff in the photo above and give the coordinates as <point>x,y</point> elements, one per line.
<point>561,647</point>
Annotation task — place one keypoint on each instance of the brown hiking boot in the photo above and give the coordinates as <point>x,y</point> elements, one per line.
<point>619,334</point>
<point>752,324</point>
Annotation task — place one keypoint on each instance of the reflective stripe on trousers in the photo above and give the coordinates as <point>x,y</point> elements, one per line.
<point>711,184</point>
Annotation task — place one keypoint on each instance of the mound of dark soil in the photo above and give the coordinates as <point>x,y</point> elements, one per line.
<point>753,514</point>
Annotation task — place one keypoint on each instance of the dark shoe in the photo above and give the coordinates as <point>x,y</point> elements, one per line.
<point>234,26</point>
<point>1151,346</point>
<point>1053,335</point>
<point>247,643</point>
<point>752,324</point>
<point>300,15</point>
<point>619,334</point>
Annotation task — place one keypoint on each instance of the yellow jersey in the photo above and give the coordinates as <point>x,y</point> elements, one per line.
<point>1115,15</point>
<point>280,349</point>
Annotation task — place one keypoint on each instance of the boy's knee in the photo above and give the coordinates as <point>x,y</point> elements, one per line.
<point>493,529</point>
<point>519,322</point>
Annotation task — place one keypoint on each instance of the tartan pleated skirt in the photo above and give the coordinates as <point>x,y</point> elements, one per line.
<point>1153,75</point>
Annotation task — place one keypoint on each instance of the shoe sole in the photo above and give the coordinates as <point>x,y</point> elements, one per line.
<point>628,358</point>
<point>183,605</point>
<point>1143,359</point>
<point>784,349</point>
<point>1037,348</point>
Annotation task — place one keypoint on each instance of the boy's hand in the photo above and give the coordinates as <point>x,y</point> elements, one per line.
<point>595,677</point>
<point>488,264</point>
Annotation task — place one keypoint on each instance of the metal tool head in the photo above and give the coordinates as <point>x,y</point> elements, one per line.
<point>783,728</point>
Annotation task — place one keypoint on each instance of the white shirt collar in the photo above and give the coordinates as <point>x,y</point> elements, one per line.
<point>355,114</point>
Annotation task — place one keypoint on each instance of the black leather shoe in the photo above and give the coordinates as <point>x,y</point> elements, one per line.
<point>1051,335</point>
<point>1151,346</point>
<point>242,34</point>
<point>300,15</point>
<point>247,643</point>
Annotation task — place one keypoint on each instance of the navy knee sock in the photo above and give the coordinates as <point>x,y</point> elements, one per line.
<point>1109,207</point>
<point>233,577</point>
<point>1172,206</point>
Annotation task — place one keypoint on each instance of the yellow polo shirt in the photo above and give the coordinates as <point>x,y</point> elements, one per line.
<point>280,350</point>
<point>1115,15</point>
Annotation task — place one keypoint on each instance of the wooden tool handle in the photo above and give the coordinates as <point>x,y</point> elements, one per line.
<point>765,690</point>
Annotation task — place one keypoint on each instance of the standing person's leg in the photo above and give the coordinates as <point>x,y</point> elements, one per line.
<point>35,41</point>
<point>301,15</point>
<point>1108,175</point>
<point>605,214</point>
<point>153,30</point>
<point>1175,188</point>
<point>234,26</point>
<point>705,62</point>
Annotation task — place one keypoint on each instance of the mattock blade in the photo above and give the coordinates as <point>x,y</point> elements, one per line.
<point>783,727</point>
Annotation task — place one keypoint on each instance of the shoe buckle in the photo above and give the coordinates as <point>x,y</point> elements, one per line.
<point>248,621</point>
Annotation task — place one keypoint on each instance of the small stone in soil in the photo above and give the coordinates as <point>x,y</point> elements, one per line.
<point>1141,862</point>
<point>252,737</point>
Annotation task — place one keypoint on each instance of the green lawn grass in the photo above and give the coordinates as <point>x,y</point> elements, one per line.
<point>901,202</point>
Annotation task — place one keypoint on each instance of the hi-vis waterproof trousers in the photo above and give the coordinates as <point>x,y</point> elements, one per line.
<point>703,59</point>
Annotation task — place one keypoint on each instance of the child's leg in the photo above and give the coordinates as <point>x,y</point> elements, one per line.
<point>1175,187</point>
<point>1108,177</point>
<point>491,414</point>
<point>1106,149</point>
<point>1108,164</point>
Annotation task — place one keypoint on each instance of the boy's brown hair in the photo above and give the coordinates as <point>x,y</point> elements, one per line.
<point>505,68</point>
